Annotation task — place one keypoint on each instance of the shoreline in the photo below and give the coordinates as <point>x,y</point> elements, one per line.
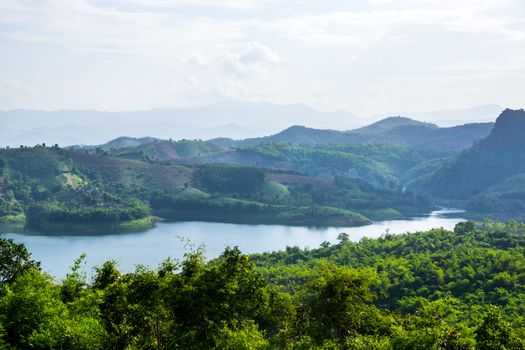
<point>148,223</point>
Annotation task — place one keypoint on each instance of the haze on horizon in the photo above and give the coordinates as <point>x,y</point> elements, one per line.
<point>367,57</point>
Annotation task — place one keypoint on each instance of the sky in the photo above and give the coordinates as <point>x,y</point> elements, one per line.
<point>363,56</point>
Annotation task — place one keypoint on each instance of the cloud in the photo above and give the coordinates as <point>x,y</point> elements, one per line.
<point>257,58</point>
<point>254,59</point>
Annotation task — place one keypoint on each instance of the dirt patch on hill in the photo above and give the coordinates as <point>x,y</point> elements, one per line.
<point>165,150</point>
<point>69,180</point>
<point>297,179</point>
<point>167,176</point>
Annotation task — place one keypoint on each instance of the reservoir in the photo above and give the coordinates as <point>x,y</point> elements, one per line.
<point>58,251</point>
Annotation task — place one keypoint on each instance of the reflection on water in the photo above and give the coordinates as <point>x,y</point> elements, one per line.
<point>57,252</point>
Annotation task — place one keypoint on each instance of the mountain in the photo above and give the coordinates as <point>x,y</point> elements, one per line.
<point>490,173</point>
<point>118,143</point>
<point>233,119</point>
<point>431,137</point>
<point>390,123</point>
<point>395,130</point>
<point>152,148</point>
<point>299,135</point>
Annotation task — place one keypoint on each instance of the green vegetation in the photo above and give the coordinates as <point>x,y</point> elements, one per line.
<point>489,176</point>
<point>224,178</point>
<point>426,290</point>
<point>47,190</point>
<point>52,189</point>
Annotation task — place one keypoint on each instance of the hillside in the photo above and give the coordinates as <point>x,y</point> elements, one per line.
<point>495,158</point>
<point>52,189</point>
<point>490,172</point>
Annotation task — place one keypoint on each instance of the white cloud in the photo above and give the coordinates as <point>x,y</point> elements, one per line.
<point>255,58</point>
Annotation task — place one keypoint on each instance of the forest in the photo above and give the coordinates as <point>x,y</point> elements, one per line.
<point>460,289</point>
<point>54,189</point>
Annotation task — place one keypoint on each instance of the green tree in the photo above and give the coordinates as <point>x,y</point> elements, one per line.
<point>15,260</point>
<point>493,332</point>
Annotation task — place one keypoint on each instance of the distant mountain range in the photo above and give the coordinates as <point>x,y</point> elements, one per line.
<point>395,130</point>
<point>229,119</point>
<point>392,130</point>
<point>235,119</point>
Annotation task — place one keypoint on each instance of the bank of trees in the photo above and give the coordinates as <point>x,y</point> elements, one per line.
<point>384,293</point>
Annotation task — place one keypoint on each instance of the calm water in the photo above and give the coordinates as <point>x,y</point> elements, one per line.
<point>57,252</point>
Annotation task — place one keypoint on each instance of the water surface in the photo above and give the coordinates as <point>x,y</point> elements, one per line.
<point>58,251</point>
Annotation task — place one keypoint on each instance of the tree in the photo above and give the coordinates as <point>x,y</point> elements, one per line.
<point>343,237</point>
<point>465,227</point>
<point>15,259</point>
<point>494,332</point>
<point>340,304</point>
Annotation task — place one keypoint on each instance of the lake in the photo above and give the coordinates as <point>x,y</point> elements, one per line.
<point>57,252</point>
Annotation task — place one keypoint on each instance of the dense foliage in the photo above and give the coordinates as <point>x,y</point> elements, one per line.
<point>227,179</point>
<point>52,189</point>
<point>44,185</point>
<point>425,290</point>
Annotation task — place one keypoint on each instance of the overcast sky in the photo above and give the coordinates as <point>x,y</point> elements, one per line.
<point>364,56</point>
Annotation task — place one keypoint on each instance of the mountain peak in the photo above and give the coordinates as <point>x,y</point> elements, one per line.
<point>511,122</point>
<point>391,123</point>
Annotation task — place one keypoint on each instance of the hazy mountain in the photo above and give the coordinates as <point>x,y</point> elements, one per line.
<point>297,134</point>
<point>235,119</point>
<point>390,123</point>
<point>428,136</point>
<point>395,130</point>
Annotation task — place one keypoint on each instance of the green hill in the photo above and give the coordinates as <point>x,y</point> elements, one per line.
<point>52,189</point>
<point>493,159</point>
<point>490,174</point>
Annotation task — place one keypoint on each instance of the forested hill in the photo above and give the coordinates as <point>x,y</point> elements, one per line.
<point>491,174</point>
<point>52,189</point>
<point>393,130</point>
